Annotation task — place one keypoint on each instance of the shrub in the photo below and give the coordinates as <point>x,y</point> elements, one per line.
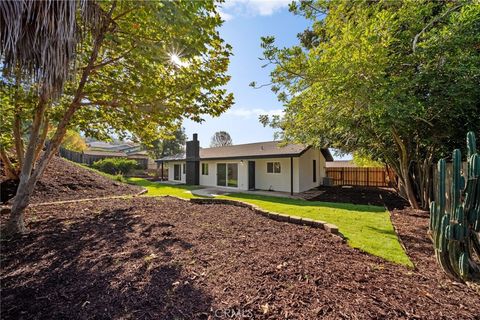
<point>118,177</point>
<point>115,165</point>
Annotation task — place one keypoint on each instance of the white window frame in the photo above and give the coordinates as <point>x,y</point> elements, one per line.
<point>274,163</point>
<point>204,166</point>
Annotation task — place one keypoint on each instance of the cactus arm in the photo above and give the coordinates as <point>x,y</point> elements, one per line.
<point>455,226</point>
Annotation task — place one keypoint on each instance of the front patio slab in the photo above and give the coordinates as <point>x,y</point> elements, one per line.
<point>212,192</point>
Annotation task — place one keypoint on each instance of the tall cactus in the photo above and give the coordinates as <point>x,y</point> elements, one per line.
<point>455,229</point>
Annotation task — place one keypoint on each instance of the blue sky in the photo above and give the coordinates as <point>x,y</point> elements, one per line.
<point>246,21</point>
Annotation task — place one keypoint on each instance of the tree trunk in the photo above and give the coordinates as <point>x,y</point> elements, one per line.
<point>407,183</point>
<point>404,161</point>
<point>42,138</point>
<point>28,180</point>
<point>16,223</point>
<point>17,134</point>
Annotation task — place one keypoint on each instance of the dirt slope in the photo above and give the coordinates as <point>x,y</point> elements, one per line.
<point>64,180</point>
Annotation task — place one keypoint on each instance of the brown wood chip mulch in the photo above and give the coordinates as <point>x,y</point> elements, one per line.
<point>63,180</point>
<point>162,258</point>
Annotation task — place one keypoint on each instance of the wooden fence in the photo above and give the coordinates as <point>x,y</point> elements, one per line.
<point>89,159</point>
<point>360,176</point>
<point>71,155</point>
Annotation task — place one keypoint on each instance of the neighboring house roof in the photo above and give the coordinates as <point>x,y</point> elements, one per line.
<point>106,146</point>
<point>175,157</point>
<point>138,153</point>
<point>341,163</point>
<point>104,153</point>
<point>269,149</point>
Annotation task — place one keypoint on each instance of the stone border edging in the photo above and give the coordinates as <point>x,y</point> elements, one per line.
<point>397,234</point>
<point>329,227</point>
<point>333,229</point>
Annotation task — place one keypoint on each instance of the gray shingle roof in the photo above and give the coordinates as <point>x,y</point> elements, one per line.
<point>258,149</point>
<point>269,149</point>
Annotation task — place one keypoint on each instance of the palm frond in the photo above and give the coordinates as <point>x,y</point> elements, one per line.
<point>38,39</point>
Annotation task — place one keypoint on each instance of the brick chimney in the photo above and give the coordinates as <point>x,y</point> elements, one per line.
<point>193,161</point>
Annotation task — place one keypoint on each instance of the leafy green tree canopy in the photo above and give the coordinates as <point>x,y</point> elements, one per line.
<point>139,68</point>
<point>168,145</point>
<point>396,81</point>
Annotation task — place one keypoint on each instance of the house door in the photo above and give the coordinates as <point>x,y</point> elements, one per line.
<point>251,175</point>
<point>176,172</point>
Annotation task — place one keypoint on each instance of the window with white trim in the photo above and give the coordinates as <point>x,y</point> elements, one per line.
<point>204,169</point>
<point>274,167</point>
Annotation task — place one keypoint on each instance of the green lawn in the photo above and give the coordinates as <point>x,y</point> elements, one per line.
<point>160,189</point>
<point>366,227</point>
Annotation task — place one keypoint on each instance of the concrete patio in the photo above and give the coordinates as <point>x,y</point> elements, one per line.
<point>211,192</point>
<point>218,191</point>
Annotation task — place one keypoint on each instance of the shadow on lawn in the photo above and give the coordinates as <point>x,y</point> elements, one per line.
<point>383,231</point>
<point>305,203</point>
<point>110,265</point>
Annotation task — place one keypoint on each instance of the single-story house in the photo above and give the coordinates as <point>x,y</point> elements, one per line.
<point>254,166</point>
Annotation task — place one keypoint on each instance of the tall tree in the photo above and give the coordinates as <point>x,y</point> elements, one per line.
<point>397,81</point>
<point>169,145</point>
<point>221,139</point>
<point>138,69</point>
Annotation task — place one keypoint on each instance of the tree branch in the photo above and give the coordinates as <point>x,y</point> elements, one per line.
<point>17,134</point>
<point>9,167</point>
<point>107,62</point>
<point>417,36</point>
<point>42,138</point>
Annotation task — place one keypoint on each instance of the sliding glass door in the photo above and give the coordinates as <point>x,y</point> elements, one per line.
<point>221,174</point>
<point>227,174</point>
<point>232,175</point>
<point>176,172</point>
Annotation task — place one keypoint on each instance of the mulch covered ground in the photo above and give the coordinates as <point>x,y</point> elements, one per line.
<point>361,195</point>
<point>412,227</point>
<point>162,258</point>
<point>64,180</point>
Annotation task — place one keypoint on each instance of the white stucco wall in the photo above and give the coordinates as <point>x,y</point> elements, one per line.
<point>306,169</point>
<point>302,172</point>
<point>211,178</point>
<point>276,181</point>
<point>170,171</point>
